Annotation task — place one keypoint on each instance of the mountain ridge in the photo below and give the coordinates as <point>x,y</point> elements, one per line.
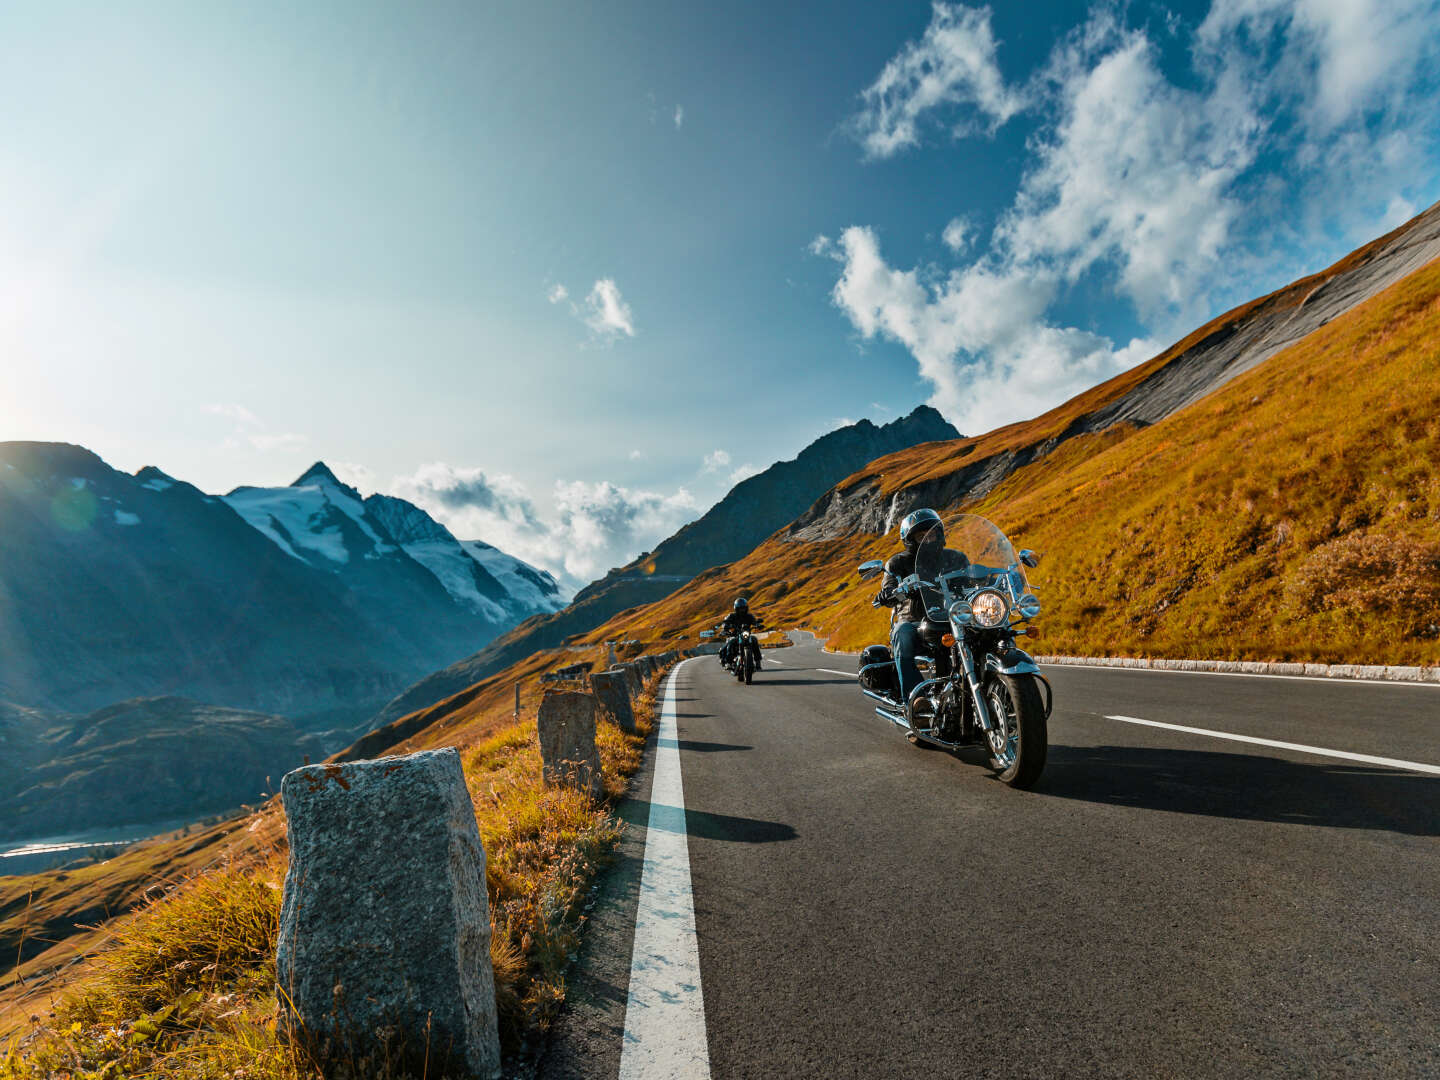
<point>298,602</point>
<point>752,509</point>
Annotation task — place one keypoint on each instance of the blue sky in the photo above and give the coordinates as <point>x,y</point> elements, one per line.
<point>561,272</point>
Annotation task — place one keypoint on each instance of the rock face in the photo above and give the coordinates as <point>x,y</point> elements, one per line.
<point>566,725</point>
<point>385,926</point>
<point>612,696</point>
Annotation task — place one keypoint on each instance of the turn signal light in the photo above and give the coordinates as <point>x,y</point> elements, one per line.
<point>948,640</point>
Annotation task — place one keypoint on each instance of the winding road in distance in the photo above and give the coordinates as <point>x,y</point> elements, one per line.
<point>1164,903</point>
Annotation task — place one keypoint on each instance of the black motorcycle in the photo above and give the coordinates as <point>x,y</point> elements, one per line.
<point>978,687</point>
<point>737,655</point>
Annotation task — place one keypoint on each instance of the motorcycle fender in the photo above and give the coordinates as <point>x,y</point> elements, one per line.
<point>1012,661</point>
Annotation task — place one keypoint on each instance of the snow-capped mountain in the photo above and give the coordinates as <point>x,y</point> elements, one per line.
<point>491,582</point>
<point>327,524</point>
<point>317,520</point>
<point>306,600</point>
<point>536,589</point>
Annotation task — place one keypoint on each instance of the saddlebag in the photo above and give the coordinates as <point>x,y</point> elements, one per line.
<point>877,671</point>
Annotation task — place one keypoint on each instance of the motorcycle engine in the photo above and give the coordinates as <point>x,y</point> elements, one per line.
<point>951,714</point>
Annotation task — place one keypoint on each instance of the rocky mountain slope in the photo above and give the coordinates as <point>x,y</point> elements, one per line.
<point>294,600</point>
<point>751,511</point>
<point>482,578</point>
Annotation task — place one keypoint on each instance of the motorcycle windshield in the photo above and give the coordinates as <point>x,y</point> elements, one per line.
<point>972,554</point>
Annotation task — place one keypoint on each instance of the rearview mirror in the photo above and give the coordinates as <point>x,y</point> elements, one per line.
<point>871,568</point>
<point>1029,558</point>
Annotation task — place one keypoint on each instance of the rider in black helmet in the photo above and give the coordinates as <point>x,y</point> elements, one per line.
<point>739,619</point>
<point>919,530</point>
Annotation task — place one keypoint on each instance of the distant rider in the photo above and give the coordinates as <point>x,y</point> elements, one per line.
<point>921,532</point>
<point>740,618</point>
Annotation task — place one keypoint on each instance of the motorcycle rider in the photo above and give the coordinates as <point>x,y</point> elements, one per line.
<point>740,618</point>
<point>922,533</point>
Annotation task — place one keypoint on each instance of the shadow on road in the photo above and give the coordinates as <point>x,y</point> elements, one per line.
<point>703,747</point>
<point>1246,787</point>
<point>709,826</point>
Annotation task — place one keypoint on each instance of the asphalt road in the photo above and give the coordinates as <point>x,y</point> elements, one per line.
<point>1162,904</point>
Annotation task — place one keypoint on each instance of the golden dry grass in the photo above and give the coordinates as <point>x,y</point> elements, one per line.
<point>183,985</point>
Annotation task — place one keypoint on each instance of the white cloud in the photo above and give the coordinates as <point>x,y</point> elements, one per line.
<point>952,66</point>
<point>249,430</point>
<point>1136,185</point>
<point>557,293</point>
<point>636,455</point>
<point>607,314</point>
<point>957,234</point>
<point>716,460</point>
<point>242,416</point>
<point>361,477</point>
<point>679,116</point>
<point>744,472</point>
<point>1339,58</point>
<point>594,525</point>
<point>1137,172</point>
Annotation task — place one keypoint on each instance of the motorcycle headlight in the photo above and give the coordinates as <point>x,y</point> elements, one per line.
<point>1029,606</point>
<point>960,613</point>
<point>990,609</point>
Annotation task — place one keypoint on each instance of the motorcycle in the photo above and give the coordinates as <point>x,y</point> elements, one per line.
<point>738,654</point>
<point>977,686</point>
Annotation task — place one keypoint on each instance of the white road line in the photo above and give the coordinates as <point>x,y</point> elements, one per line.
<point>1369,759</point>
<point>772,660</point>
<point>832,671</point>
<point>665,1012</point>
<point>1336,680</point>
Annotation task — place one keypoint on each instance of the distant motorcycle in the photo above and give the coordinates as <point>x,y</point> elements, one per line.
<point>737,654</point>
<point>981,688</point>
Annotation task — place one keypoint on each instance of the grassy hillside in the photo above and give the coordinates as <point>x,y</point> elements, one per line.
<point>145,990</point>
<point>1294,514</point>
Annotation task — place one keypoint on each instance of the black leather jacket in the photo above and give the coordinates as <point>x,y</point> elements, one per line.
<point>901,566</point>
<point>737,621</point>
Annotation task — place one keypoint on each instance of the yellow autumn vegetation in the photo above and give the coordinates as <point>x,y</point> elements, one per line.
<point>183,985</point>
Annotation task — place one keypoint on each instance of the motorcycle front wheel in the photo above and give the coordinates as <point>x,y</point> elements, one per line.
<point>749,669</point>
<point>1016,703</point>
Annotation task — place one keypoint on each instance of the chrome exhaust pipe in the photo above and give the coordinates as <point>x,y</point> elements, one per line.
<point>894,717</point>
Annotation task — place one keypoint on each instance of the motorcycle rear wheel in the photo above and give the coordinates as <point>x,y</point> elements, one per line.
<point>1015,701</point>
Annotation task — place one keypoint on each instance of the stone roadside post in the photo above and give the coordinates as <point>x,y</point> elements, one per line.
<point>632,678</point>
<point>384,946</point>
<point>613,697</point>
<point>566,726</point>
